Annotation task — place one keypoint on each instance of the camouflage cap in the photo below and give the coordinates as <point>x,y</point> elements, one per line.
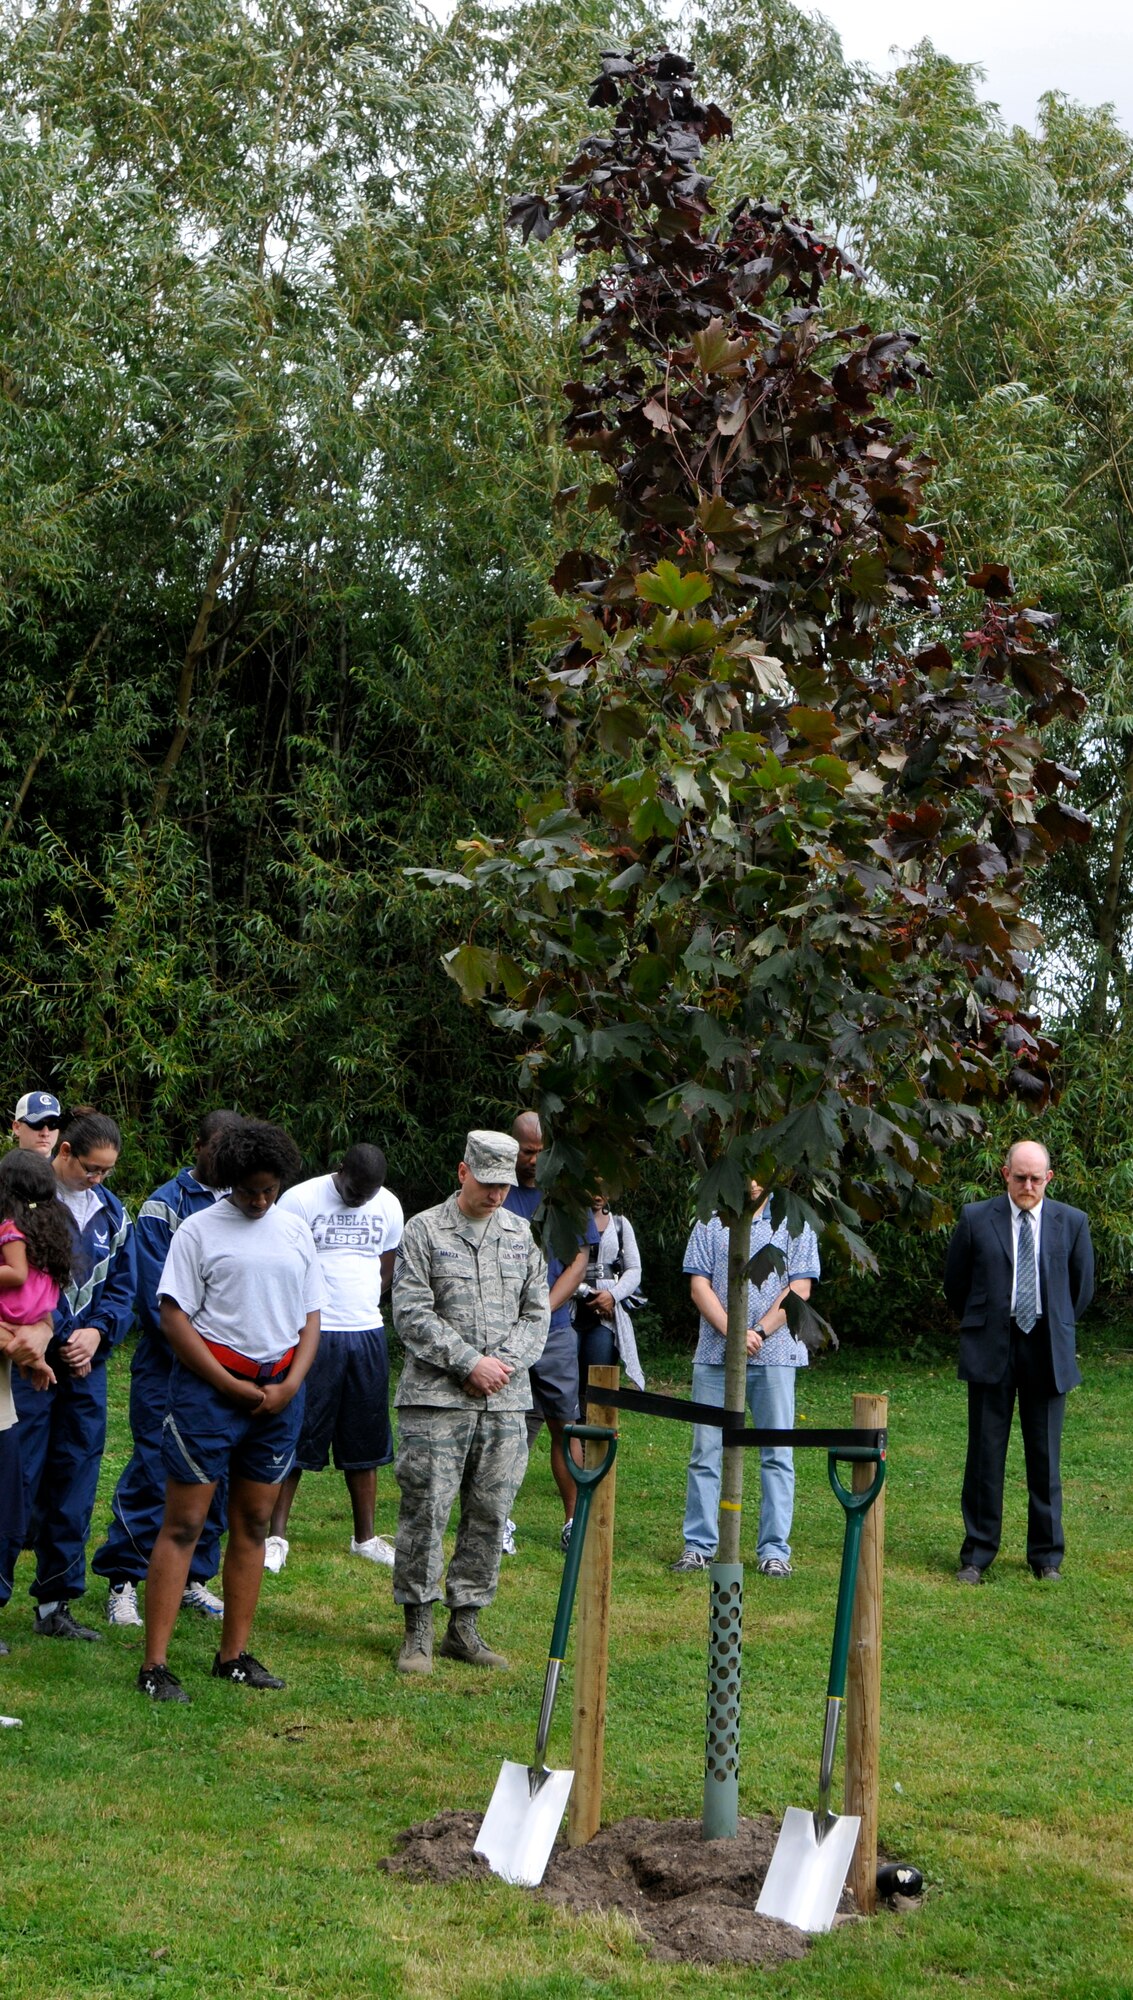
<point>490,1157</point>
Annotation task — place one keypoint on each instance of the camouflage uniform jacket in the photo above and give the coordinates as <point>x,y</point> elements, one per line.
<point>455,1299</point>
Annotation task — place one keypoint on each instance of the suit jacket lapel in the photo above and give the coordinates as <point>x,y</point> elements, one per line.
<point>1001,1223</point>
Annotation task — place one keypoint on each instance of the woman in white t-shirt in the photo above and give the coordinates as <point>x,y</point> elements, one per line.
<point>240,1297</point>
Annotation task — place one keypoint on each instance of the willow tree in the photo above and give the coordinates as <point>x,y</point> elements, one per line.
<point>773,920</point>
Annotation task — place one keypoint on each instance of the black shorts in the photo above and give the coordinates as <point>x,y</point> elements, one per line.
<point>554,1378</point>
<point>347,1404</point>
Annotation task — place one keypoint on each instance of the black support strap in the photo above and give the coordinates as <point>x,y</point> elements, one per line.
<point>677,1410</point>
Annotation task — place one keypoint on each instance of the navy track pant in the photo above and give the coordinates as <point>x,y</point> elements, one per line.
<point>62,1432</point>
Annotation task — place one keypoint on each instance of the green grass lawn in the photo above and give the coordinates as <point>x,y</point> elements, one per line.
<point>231,1847</point>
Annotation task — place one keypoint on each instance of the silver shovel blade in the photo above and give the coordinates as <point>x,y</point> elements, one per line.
<point>804,1883</point>
<point>518,1830</point>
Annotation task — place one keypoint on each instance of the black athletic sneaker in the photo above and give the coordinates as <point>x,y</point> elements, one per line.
<point>160,1684</point>
<point>62,1624</point>
<point>246,1670</point>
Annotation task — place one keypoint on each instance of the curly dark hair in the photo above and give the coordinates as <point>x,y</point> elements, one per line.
<point>253,1147</point>
<point>28,1191</point>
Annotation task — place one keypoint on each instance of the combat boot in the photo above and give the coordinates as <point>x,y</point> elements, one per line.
<point>463,1642</point>
<point>416,1655</point>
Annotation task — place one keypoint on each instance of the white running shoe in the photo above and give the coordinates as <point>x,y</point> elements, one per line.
<point>198,1598</point>
<point>376,1550</point>
<point>122,1605</point>
<point>275,1553</point>
<point>507,1546</point>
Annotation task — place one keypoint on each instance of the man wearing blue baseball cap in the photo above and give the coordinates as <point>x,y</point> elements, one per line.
<point>35,1126</point>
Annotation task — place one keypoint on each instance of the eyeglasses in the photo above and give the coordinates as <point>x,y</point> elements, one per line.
<point>600,1208</point>
<point>1030,1180</point>
<point>93,1173</point>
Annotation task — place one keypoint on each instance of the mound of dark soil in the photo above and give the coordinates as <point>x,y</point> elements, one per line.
<point>691,1898</point>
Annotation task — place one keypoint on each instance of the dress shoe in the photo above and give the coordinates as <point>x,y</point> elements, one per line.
<point>969,1574</point>
<point>1046,1572</point>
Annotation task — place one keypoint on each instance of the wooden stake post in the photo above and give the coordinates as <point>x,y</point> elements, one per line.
<point>863,1686</point>
<point>592,1632</point>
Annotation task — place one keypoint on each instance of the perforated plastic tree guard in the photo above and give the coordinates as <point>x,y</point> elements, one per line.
<point>722,1730</point>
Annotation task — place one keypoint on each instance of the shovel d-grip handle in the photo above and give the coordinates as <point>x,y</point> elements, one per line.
<point>856,1506</point>
<point>586,1478</point>
<point>591,1475</point>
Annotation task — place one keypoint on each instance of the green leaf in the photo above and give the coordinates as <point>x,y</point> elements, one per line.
<point>699,636</point>
<point>441,878</point>
<point>667,586</point>
<point>715,517</point>
<point>620,726</point>
<point>869,579</point>
<point>648,979</point>
<point>652,817</point>
<point>833,769</point>
<point>628,879</point>
<point>476,969</point>
<point>719,1047</point>
<point>723,1189</point>
<point>809,1137</point>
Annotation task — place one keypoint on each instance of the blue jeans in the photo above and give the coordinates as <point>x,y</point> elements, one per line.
<point>771,1400</point>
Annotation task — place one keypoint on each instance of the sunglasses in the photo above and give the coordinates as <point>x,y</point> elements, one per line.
<point>41,1124</point>
<point>600,1208</point>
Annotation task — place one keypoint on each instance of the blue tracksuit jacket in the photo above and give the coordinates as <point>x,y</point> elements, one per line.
<point>139,1497</point>
<point>62,1431</point>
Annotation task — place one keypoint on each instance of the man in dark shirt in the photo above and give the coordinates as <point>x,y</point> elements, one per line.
<point>554,1377</point>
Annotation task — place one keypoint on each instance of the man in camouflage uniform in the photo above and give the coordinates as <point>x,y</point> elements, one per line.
<point>470,1305</point>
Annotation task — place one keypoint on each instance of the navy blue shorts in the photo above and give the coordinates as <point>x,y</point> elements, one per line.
<point>205,1436</point>
<point>347,1404</point>
<point>554,1377</point>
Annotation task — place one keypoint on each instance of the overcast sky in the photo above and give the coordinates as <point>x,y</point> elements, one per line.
<point>1025,46</point>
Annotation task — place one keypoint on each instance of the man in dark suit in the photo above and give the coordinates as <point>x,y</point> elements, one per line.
<point>1019,1274</point>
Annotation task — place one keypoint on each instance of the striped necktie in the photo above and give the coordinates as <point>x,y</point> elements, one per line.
<point>1026,1277</point>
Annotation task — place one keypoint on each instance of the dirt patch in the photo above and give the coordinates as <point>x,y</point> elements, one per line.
<point>690,1898</point>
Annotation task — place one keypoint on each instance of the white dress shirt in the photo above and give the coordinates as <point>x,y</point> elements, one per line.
<point>1036,1215</point>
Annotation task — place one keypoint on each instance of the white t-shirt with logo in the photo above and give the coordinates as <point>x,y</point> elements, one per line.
<point>246,1282</point>
<point>351,1244</point>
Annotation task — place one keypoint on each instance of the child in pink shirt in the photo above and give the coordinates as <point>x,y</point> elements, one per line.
<point>36,1251</point>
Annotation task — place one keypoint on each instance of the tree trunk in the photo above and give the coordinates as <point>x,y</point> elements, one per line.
<point>195,650</point>
<point>1111,912</point>
<point>735,1383</point>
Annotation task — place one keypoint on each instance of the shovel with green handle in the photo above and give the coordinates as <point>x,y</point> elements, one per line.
<point>518,1830</point>
<point>804,1883</point>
